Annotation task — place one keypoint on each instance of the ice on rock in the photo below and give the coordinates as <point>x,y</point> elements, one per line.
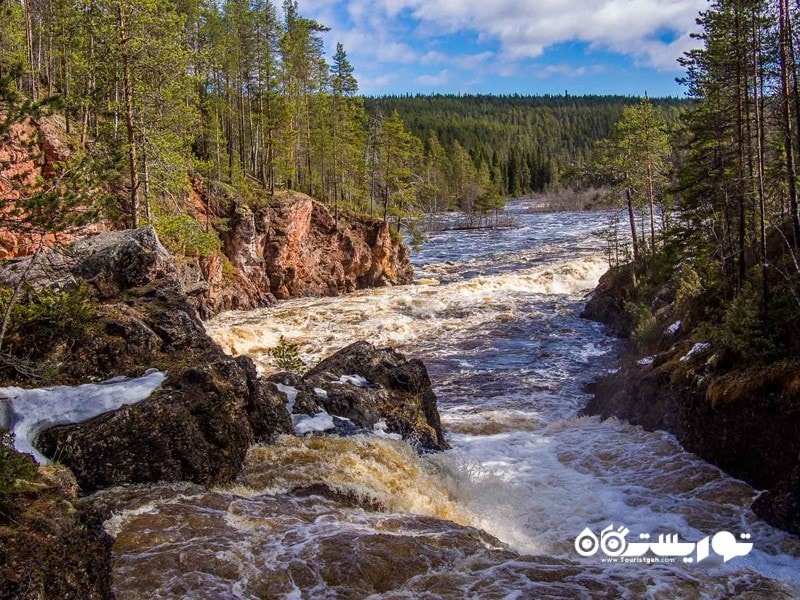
<point>696,349</point>
<point>356,380</point>
<point>26,413</point>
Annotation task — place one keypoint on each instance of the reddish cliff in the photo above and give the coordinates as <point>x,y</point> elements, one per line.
<point>291,246</point>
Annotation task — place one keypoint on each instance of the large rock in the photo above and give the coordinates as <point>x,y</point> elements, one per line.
<point>199,425</point>
<point>397,391</point>
<point>292,247</point>
<point>607,302</point>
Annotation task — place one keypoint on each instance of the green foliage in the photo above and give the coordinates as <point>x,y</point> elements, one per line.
<point>42,317</point>
<point>646,332</point>
<point>689,288</point>
<point>526,142</point>
<point>743,330</point>
<point>14,466</point>
<point>183,234</point>
<point>287,355</point>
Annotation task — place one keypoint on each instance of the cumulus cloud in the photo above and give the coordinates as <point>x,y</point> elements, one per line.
<point>525,28</point>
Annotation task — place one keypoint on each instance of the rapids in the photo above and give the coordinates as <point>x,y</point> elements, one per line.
<point>495,317</point>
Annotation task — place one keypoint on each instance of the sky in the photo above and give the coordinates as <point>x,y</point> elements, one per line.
<point>627,47</point>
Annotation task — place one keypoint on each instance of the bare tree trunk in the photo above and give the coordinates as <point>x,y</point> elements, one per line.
<point>632,221</point>
<point>791,180</point>
<point>29,48</point>
<point>741,83</point>
<point>129,119</point>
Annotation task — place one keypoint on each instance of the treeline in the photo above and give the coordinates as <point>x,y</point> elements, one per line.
<point>717,202</point>
<point>524,143</point>
<point>237,92</point>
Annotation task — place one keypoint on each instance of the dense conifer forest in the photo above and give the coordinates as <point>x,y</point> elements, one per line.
<point>526,143</point>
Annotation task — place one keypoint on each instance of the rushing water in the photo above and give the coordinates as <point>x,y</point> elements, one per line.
<point>496,321</point>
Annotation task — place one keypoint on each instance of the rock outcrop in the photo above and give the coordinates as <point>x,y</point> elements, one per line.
<point>31,152</point>
<point>743,419</point>
<point>607,302</point>
<point>291,246</point>
<point>199,425</point>
<point>366,385</point>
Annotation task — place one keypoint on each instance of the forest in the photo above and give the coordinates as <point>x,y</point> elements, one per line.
<point>527,143</point>
<point>241,95</point>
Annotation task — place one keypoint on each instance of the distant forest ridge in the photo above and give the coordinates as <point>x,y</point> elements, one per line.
<point>532,143</point>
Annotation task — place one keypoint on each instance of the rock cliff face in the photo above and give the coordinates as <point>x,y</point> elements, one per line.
<point>744,420</point>
<point>291,247</point>
<point>32,151</point>
<point>284,246</point>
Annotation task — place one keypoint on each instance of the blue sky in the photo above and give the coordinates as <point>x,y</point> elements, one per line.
<point>511,46</point>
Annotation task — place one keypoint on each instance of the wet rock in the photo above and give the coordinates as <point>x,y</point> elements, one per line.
<point>393,389</point>
<point>607,303</point>
<point>306,401</point>
<point>780,505</point>
<point>195,428</point>
<point>53,545</point>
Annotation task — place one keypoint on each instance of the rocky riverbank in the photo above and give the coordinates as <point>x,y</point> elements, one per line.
<point>198,426</point>
<point>743,418</point>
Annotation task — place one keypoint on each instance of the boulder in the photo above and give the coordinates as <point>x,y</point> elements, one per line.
<point>393,389</point>
<point>210,409</point>
<point>607,302</point>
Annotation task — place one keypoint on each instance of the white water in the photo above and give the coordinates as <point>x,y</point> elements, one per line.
<point>509,358</point>
<point>28,412</point>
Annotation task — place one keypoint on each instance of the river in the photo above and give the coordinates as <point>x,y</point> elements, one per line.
<point>494,315</point>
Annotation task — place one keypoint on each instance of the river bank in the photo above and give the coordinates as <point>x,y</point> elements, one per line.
<point>741,417</point>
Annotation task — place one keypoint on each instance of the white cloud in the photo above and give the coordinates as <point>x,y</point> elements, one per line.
<point>439,79</point>
<point>525,28</point>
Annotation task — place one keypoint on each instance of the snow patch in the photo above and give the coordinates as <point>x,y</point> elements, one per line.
<point>26,413</point>
<point>674,328</point>
<point>696,349</point>
<point>647,360</point>
<point>356,380</point>
<point>291,395</point>
<point>320,393</point>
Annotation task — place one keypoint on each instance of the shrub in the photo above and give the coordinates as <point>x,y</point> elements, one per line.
<point>14,466</point>
<point>646,332</point>
<point>743,331</point>
<point>40,317</point>
<point>183,234</point>
<point>287,355</point>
